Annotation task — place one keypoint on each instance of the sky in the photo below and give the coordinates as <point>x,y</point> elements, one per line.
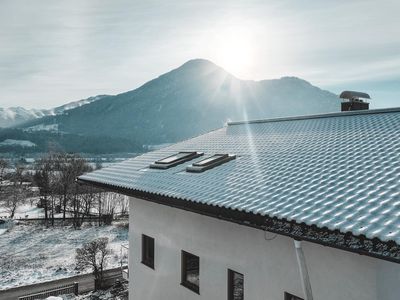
<point>53,51</point>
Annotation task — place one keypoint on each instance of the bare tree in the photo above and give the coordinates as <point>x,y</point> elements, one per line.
<point>78,166</point>
<point>94,255</point>
<point>66,180</point>
<point>99,198</point>
<point>123,205</point>
<point>88,195</point>
<point>43,177</point>
<point>110,203</point>
<point>70,166</point>
<point>106,205</point>
<point>3,167</point>
<point>53,200</point>
<point>76,202</point>
<point>16,193</point>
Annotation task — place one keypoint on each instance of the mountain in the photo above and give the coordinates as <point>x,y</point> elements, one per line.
<point>14,116</point>
<point>196,97</point>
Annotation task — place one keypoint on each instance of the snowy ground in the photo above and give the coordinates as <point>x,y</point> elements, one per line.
<point>26,210</point>
<point>117,292</point>
<point>34,253</point>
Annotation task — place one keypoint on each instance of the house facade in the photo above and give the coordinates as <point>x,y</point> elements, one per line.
<point>291,208</point>
<point>266,260</point>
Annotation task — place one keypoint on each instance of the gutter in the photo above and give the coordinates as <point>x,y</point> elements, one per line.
<point>305,279</point>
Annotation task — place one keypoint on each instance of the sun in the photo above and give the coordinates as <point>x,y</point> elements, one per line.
<point>235,51</point>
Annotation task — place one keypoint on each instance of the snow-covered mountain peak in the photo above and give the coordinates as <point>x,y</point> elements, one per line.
<point>13,116</point>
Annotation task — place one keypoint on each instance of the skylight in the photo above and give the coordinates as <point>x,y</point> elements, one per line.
<point>210,162</point>
<point>174,160</point>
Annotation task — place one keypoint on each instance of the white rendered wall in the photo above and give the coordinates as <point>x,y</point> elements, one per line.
<point>269,267</point>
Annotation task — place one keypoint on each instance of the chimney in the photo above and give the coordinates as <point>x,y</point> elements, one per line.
<point>354,101</point>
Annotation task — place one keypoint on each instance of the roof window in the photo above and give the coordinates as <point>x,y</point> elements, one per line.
<point>210,162</point>
<point>174,160</point>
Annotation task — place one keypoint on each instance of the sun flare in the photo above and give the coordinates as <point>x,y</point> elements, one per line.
<point>235,51</point>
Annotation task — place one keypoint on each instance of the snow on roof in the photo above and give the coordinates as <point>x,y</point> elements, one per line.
<point>338,171</point>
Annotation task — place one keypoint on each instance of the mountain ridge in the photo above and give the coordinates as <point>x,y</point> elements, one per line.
<point>194,98</point>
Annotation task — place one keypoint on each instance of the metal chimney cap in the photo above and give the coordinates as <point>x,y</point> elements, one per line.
<point>352,95</point>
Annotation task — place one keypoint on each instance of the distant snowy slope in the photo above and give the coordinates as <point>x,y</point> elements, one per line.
<point>20,143</point>
<point>71,105</point>
<point>14,116</point>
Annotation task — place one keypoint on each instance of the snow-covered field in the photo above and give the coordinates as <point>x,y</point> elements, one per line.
<point>26,210</point>
<point>34,253</point>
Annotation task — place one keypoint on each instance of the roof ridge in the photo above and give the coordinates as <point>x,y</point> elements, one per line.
<point>319,116</point>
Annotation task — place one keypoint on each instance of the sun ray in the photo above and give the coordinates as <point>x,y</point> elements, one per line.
<point>234,50</point>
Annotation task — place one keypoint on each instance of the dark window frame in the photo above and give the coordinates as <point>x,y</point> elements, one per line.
<point>210,162</point>
<point>231,284</point>
<point>184,282</point>
<point>289,296</point>
<point>163,163</point>
<point>148,251</point>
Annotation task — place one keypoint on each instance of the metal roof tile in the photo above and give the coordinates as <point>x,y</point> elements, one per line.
<point>340,171</point>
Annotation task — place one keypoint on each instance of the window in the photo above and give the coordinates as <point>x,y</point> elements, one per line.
<point>291,297</point>
<point>210,162</point>
<point>190,273</point>
<point>235,285</point>
<point>174,160</point>
<point>148,251</point>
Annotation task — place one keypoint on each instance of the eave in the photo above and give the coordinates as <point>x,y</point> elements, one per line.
<point>389,251</point>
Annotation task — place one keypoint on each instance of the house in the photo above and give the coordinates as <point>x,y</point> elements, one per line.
<point>280,209</point>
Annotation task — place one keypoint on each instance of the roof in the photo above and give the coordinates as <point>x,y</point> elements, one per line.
<point>337,171</point>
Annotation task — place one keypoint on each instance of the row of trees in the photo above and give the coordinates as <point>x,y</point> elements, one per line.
<point>55,177</point>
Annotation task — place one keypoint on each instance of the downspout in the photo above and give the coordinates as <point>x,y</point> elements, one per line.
<point>305,279</point>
